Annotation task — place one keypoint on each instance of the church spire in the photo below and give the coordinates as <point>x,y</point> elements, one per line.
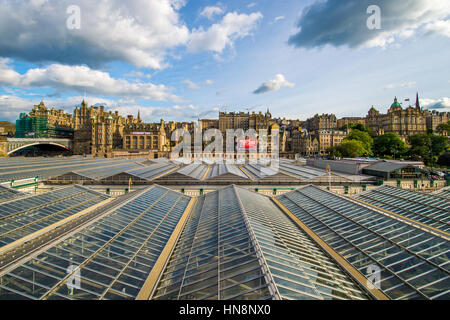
<point>139,115</point>
<point>417,101</point>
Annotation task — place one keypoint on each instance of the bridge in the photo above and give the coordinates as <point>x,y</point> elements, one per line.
<point>16,144</point>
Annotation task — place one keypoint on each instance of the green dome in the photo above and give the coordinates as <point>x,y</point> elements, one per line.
<point>396,104</point>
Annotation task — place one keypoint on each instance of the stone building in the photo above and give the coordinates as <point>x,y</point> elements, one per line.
<point>55,118</point>
<point>43,122</point>
<point>404,122</point>
<point>97,131</point>
<point>347,120</point>
<point>321,122</point>
<point>316,143</point>
<point>145,136</point>
<point>435,118</point>
<point>245,121</point>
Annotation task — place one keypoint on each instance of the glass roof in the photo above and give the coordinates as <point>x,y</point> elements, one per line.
<point>7,194</point>
<point>22,217</point>
<point>143,173</point>
<point>301,172</point>
<point>22,168</point>
<point>224,169</point>
<point>425,208</point>
<point>111,258</point>
<point>445,193</point>
<point>239,245</point>
<point>195,170</point>
<point>414,264</point>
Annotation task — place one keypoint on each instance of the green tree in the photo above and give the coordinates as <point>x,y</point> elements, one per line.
<point>389,145</point>
<point>351,149</point>
<point>443,127</point>
<point>356,126</point>
<point>428,147</point>
<point>444,159</point>
<point>334,152</point>
<point>364,138</point>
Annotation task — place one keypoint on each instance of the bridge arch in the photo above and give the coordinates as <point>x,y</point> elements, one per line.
<point>37,144</point>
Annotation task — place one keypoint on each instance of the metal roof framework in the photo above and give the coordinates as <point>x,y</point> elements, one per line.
<point>239,245</point>
<point>113,255</point>
<point>428,209</point>
<point>413,263</point>
<point>24,216</point>
<point>228,244</point>
<point>7,194</point>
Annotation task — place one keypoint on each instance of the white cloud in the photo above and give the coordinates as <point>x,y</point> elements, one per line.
<point>135,31</point>
<point>7,75</point>
<point>190,84</point>
<point>209,82</point>
<point>79,78</point>
<point>220,35</point>
<point>274,85</point>
<point>442,104</point>
<point>440,27</point>
<point>190,107</point>
<point>251,5</point>
<point>400,85</point>
<point>278,18</point>
<point>210,11</point>
<point>138,74</point>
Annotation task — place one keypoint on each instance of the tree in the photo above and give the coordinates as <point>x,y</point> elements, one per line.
<point>443,127</point>
<point>351,149</point>
<point>356,126</point>
<point>363,137</point>
<point>389,145</point>
<point>428,147</point>
<point>444,159</point>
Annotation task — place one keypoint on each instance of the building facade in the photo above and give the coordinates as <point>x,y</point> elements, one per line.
<point>42,122</point>
<point>404,122</point>
<point>347,120</point>
<point>435,118</point>
<point>145,136</point>
<point>316,143</point>
<point>321,122</point>
<point>97,131</point>
<point>245,121</point>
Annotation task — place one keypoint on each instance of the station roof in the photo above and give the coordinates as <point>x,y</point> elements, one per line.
<point>444,192</point>
<point>45,168</point>
<point>266,174</point>
<point>9,194</point>
<point>227,173</point>
<point>24,216</point>
<point>113,255</point>
<point>239,245</point>
<point>413,263</point>
<point>387,166</point>
<point>429,209</point>
<point>147,173</point>
<point>301,172</point>
<point>304,244</point>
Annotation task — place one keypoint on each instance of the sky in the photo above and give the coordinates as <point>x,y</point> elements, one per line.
<point>188,59</point>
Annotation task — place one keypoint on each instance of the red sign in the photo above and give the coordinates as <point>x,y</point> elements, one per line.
<point>248,144</point>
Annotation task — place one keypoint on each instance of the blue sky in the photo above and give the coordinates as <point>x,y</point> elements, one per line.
<point>184,59</point>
